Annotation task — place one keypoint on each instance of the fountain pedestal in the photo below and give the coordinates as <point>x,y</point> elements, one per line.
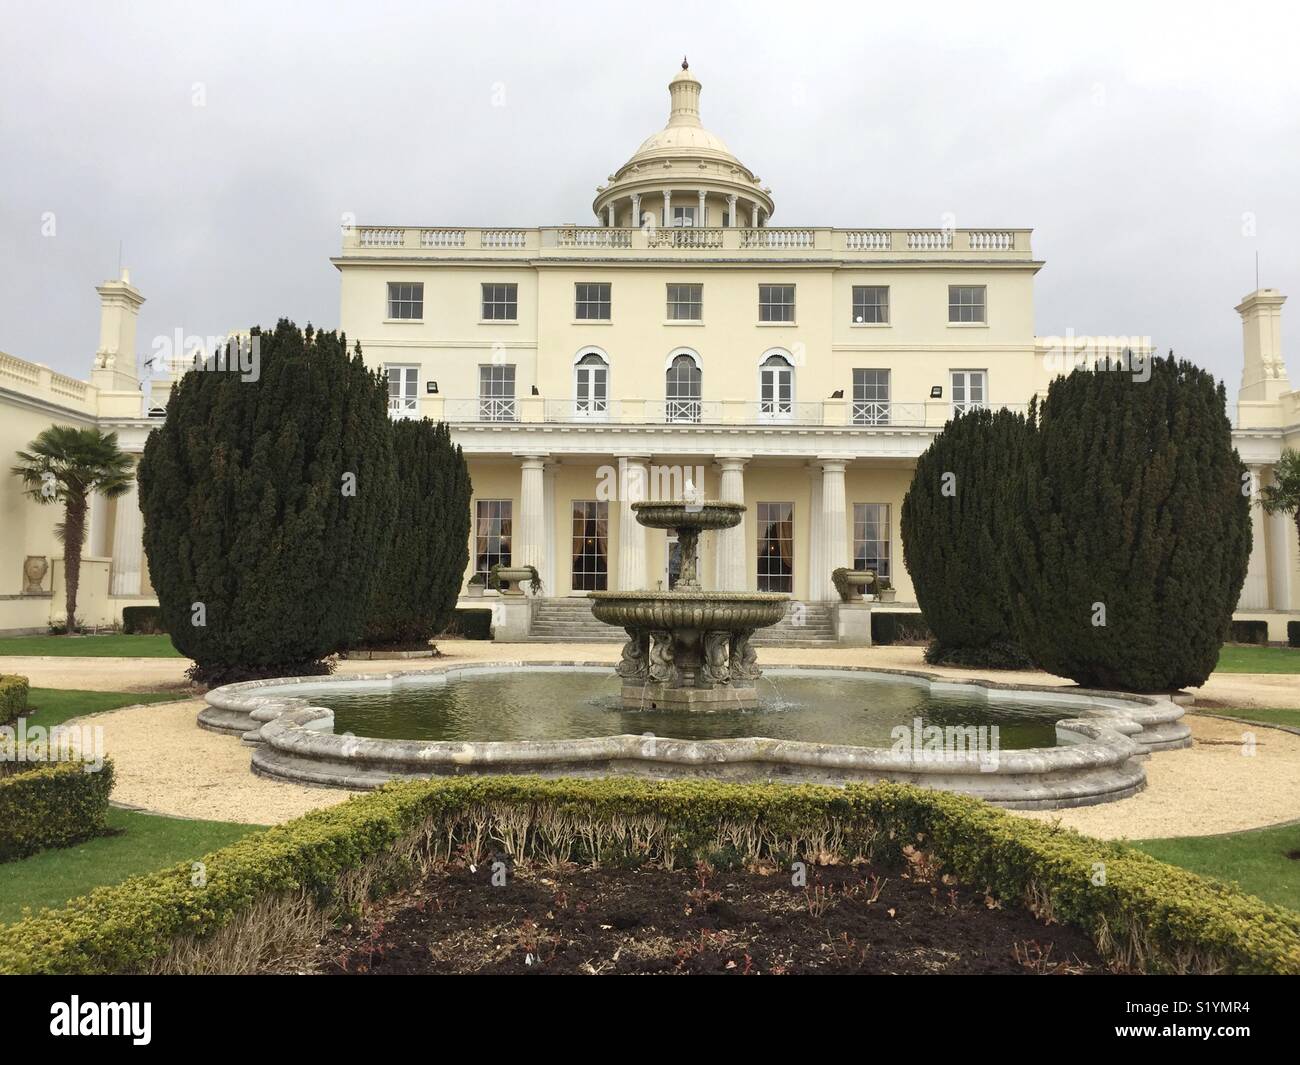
<point>689,649</point>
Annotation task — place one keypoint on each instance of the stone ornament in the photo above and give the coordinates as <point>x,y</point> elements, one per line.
<point>35,567</point>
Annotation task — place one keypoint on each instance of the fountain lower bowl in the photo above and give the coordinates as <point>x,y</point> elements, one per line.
<point>700,611</point>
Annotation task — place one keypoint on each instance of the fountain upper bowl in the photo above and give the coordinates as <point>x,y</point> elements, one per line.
<point>682,514</point>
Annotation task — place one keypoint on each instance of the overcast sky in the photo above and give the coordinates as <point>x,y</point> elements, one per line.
<point>1153,149</point>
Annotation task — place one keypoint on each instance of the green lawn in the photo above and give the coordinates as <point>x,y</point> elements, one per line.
<point>1256,860</point>
<point>111,645</point>
<point>1242,658</point>
<point>145,843</point>
<point>1264,717</point>
<point>53,706</point>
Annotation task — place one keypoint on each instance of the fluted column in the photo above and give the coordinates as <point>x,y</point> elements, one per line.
<point>636,210</point>
<point>1254,593</point>
<point>732,543</point>
<point>732,221</point>
<point>816,562</point>
<point>128,543</point>
<point>668,208</point>
<point>530,540</point>
<point>1281,531</point>
<point>633,486</point>
<point>702,217</point>
<point>835,543</point>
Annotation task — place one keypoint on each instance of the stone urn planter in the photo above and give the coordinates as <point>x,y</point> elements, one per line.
<point>851,583</point>
<point>510,580</point>
<point>475,589</point>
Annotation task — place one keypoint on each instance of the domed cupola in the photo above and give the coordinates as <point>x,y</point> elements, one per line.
<point>683,175</point>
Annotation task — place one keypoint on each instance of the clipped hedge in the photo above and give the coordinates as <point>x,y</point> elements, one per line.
<point>1293,633</point>
<point>469,624</point>
<point>52,805</point>
<point>142,620</point>
<point>13,697</point>
<point>1255,632</point>
<point>899,627</point>
<point>1141,912</point>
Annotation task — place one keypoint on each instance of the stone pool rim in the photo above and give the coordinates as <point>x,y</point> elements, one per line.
<point>1100,761</point>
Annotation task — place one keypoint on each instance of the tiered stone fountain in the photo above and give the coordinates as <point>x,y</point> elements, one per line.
<point>687,648</point>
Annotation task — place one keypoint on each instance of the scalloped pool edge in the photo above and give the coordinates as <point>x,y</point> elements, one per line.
<point>1100,761</point>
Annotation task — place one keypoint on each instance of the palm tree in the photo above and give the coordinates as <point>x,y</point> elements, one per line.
<point>65,465</point>
<point>1283,495</point>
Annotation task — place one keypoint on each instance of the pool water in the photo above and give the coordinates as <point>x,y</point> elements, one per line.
<point>535,704</point>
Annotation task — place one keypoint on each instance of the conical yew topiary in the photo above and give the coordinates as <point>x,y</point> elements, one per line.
<point>1130,549</point>
<point>268,501</point>
<point>416,593</point>
<point>953,522</point>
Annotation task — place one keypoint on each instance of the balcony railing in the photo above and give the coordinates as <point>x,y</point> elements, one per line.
<point>403,407</point>
<point>792,242</point>
<point>874,412</point>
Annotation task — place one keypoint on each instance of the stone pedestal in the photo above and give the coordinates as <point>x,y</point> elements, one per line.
<point>512,619</point>
<point>852,624</point>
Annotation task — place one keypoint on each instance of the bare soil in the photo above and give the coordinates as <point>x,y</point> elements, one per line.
<point>575,920</point>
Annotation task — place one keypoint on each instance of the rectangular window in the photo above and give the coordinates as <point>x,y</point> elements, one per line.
<point>500,303</point>
<point>776,547</point>
<point>685,303</point>
<point>590,545</point>
<point>870,304</point>
<point>403,391</point>
<point>496,393</point>
<point>969,390</point>
<point>683,216</point>
<point>491,534</point>
<point>871,537</point>
<point>591,300</point>
<point>870,397</point>
<point>966,303</point>
<point>406,300</point>
<point>776,303</point>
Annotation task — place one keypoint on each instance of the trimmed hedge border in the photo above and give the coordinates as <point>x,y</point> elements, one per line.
<point>1293,633</point>
<point>258,894</point>
<point>142,621</point>
<point>52,806</point>
<point>468,623</point>
<point>895,626</point>
<point>13,697</point>
<point>1249,632</point>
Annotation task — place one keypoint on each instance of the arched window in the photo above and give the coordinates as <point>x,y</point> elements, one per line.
<point>776,386</point>
<point>591,385</point>
<point>682,394</point>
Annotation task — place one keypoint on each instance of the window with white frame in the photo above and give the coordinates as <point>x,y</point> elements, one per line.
<point>685,303</point>
<point>496,393</point>
<point>500,303</point>
<point>871,537</point>
<point>591,300</point>
<point>591,385</point>
<point>776,387</point>
<point>966,303</point>
<point>683,390</point>
<point>403,391</point>
<point>776,547</point>
<point>590,545</point>
<point>969,390</point>
<point>870,397</point>
<point>406,300</point>
<point>684,216</point>
<point>492,522</point>
<point>776,303</point>
<point>870,304</point>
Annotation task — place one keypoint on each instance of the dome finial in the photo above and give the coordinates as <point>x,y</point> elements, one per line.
<point>685,65</point>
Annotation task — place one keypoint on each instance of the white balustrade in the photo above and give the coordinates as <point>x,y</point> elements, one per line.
<point>929,240</point>
<point>442,238</point>
<point>868,240</point>
<point>991,241</point>
<point>382,238</point>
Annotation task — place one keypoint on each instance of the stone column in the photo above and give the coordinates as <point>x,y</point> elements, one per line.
<point>636,210</point>
<point>733,551</point>
<point>548,571</point>
<point>732,221</point>
<point>1254,593</point>
<point>128,543</point>
<point>835,546</point>
<point>609,214</point>
<point>1281,531</point>
<point>633,487</point>
<point>703,219</point>
<point>816,564</point>
<point>530,546</point>
<point>668,208</point>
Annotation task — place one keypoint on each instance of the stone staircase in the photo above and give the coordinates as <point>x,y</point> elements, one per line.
<point>571,621</point>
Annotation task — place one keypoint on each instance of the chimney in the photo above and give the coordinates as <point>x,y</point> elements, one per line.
<point>119,306</point>
<point>1263,374</point>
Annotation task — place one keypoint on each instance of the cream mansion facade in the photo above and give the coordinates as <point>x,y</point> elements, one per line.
<point>679,337</point>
